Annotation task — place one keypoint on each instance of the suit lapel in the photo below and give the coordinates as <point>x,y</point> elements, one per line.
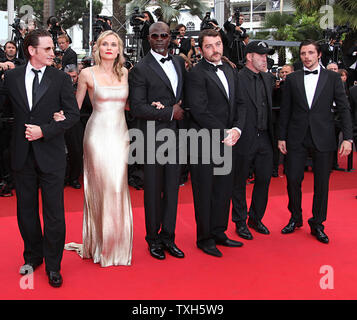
<point>44,85</point>
<point>320,85</point>
<point>158,70</point>
<point>301,86</point>
<point>22,87</point>
<point>179,78</point>
<point>228,71</point>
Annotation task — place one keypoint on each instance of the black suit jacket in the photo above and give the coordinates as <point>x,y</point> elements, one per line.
<point>69,57</point>
<point>149,83</point>
<point>207,100</point>
<point>353,99</point>
<point>296,117</point>
<point>55,93</point>
<point>247,110</point>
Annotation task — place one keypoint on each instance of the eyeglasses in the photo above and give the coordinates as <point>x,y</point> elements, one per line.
<point>156,36</point>
<point>48,49</point>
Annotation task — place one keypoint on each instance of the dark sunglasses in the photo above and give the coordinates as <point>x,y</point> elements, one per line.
<point>156,36</point>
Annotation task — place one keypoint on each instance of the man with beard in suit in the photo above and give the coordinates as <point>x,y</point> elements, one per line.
<point>156,90</point>
<point>255,146</point>
<point>211,94</point>
<point>307,126</point>
<point>36,92</point>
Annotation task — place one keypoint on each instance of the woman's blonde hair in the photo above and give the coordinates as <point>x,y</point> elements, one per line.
<point>119,60</point>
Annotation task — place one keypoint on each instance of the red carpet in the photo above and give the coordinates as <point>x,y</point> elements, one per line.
<point>269,267</point>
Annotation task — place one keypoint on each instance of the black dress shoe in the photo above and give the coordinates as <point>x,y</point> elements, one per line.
<point>75,184</point>
<point>243,231</point>
<point>157,251</point>
<point>172,249</point>
<point>211,250</point>
<point>290,227</point>
<point>258,226</point>
<point>29,267</point>
<point>54,278</point>
<point>320,235</point>
<point>229,243</point>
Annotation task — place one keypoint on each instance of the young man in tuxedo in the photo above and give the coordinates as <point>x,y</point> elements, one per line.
<point>36,92</point>
<point>211,93</point>
<point>156,92</point>
<point>307,126</point>
<point>69,55</point>
<point>255,146</point>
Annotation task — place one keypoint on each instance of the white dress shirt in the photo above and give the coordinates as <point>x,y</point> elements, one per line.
<point>310,82</point>
<point>168,68</point>
<point>29,76</point>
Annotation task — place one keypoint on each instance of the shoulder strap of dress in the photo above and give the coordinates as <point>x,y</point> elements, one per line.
<point>93,76</point>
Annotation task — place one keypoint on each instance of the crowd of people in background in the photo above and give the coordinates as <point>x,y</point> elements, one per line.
<point>11,56</point>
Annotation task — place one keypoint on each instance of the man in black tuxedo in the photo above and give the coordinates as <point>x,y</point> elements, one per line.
<point>307,126</point>
<point>69,55</point>
<point>255,146</point>
<point>156,90</point>
<point>211,94</point>
<point>36,92</point>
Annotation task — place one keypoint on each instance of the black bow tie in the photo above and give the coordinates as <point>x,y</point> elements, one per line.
<point>310,72</point>
<point>216,67</point>
<point>163,60</point>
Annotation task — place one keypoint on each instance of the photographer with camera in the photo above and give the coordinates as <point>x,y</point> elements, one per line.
<point>235,35</point>
<point>180,42</point>
<point>55,29</point>
<point>140,40</point>
<point>69,56</point>
<point>332,49</point>
<point>147,20</point>
<point>100,25</point>
<point>18,35</point>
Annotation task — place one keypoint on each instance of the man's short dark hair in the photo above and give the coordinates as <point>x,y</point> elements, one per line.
<point>11,42</point>
<point>179,26</point>
<point>32,39</point>
<point>307,42</point>
<point>207,33</point>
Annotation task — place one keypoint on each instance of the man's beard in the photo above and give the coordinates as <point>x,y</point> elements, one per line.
<point>212,57</point>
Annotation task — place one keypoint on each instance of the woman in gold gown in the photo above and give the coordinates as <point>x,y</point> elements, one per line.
<point>107,215</point>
